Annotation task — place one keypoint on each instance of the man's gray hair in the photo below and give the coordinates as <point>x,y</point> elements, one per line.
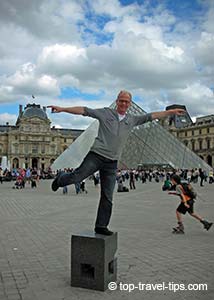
<point>124,93</point>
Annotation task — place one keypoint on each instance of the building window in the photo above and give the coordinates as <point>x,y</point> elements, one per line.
<point>34,149</point>
<point>208,130</point>
<point>43,149</point>
<point>193,145</point>
<point>26,148</point>
<point>199,131</point>
<point>15,163</point>
<point>15,149</point>
<point>65,140</point>
<point>53,149</point>
<point>35,128</point>
<point>192,132</point>
<point>27,128</point>
<point>185,133</point>
<point>208,144</point>
<point>200,145</point>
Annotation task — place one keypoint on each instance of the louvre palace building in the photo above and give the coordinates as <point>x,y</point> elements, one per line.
<point>198,136</point>
<point>32,142</point>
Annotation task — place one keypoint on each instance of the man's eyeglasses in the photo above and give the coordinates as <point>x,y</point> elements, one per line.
<point>124,101</point>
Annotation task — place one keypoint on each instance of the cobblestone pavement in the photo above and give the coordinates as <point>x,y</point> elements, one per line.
<point>36,227</point>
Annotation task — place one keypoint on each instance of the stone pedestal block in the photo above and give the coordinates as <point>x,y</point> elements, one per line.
<point>93,261</point>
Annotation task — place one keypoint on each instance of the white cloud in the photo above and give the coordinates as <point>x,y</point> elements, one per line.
<point>61,59</point>
<point>112,8</point>
<point>131,61</point>
<point>208,24</point>
<point>205,48</point>
<point>67,121</point>
<point>151,52</point>
<point>198,98</point>
<point>42,19</point>
<point>27,82</point>
<point>72,10</point>
<point>7,118</point>
<point>131,24</point>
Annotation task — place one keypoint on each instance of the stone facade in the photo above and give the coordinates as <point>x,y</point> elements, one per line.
<point>32,142</point>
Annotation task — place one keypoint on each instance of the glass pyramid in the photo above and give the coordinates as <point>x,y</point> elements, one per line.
<point>148,145</point>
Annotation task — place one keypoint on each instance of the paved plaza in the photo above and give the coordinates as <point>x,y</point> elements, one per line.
<point>36,227</point>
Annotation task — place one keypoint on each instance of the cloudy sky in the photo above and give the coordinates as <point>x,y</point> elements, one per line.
<point>83,52</point>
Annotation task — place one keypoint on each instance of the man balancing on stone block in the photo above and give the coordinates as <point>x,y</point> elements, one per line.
<point>114,127</point>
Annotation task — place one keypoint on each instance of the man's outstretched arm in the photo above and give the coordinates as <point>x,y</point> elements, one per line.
<point>166,113</point>
<point>76,110</point>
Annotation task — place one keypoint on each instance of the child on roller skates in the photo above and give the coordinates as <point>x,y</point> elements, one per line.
<point>186,205</point>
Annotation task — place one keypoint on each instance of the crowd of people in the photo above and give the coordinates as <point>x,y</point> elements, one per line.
<point>21,176</point>
<point>126,178</point>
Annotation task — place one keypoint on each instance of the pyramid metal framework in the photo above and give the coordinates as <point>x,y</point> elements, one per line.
<point>151,144</point>
<point>148,145</point>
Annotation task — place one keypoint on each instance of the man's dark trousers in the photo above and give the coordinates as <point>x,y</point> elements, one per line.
<point>91,164</point>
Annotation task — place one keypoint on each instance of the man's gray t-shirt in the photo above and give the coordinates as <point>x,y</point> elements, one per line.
<point>112,133</point>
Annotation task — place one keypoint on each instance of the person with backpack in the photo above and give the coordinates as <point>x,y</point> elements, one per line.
<point>187,196</point>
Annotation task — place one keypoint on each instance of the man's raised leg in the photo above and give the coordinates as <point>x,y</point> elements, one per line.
<point>89,166</point>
